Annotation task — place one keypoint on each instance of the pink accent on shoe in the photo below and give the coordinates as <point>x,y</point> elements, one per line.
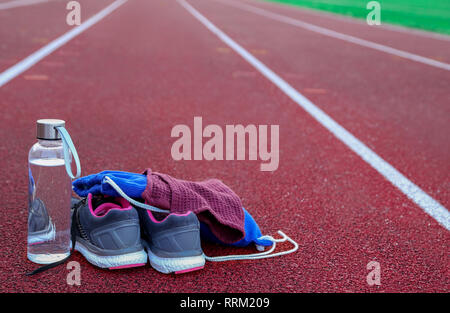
<point>189,270</point>
<point>90,204</point>
<point>156,221</point>
<point>126,266</point>
<point>104,208</point>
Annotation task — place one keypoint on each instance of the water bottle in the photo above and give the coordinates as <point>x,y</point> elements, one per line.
<point>50,192</point>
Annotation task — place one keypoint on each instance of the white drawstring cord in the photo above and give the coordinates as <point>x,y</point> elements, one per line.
<point>261,255</point>
<point>132,201</point>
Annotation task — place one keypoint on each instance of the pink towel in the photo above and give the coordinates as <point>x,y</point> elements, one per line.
<point>214,203</point>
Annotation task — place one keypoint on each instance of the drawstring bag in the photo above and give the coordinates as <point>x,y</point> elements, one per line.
<point>108,182</point>
<point>67,145</point>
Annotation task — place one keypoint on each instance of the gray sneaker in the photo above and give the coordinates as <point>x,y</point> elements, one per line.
<point>107,232</point>
<point>172,242</point>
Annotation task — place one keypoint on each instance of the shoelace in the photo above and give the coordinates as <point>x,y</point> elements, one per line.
<point>254,256</point>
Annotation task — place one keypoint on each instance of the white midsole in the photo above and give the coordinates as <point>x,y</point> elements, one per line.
<point>108,261</point>
<point>170,265</point>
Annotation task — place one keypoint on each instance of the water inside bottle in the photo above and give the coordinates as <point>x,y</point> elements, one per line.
<point>49,230</point>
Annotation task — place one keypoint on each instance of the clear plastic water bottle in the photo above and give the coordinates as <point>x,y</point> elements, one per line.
<point>50,192</point>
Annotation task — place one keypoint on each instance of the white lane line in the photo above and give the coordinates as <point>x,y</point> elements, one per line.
<point>412,191</point>
<point>338,35</point>
<point>349,19</point>
<point>19,3</point>
<point>34,58</point>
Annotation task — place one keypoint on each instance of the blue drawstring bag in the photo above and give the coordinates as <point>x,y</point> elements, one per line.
<point>132,184</point>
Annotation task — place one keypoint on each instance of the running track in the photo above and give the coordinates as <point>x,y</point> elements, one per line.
<point>122,84</point>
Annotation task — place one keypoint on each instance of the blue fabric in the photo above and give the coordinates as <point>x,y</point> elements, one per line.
<point>131,183</point>
<point>252,233</point>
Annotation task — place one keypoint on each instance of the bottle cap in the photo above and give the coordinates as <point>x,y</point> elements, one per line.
<point>46,129</point>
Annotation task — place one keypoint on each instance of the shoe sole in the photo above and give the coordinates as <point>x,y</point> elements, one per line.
<point>133,259</point>
<point>176,265</point>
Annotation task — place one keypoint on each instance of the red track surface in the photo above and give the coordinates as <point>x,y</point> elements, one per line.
<point>124,83</point>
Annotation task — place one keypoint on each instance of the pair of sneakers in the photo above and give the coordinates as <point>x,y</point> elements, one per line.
<point>111,233</point>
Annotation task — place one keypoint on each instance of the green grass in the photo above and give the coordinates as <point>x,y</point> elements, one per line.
<point>431,15</point>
